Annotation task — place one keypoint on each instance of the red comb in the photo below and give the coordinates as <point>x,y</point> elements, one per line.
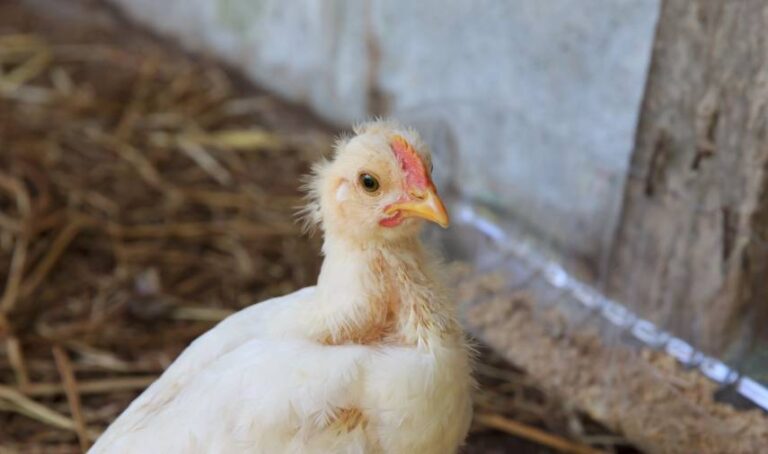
<point>416,175</point>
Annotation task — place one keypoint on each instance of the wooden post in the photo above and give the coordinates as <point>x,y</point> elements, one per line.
<point>691,248</point>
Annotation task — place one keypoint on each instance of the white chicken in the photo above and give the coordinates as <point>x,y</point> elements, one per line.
<point>370,360</point>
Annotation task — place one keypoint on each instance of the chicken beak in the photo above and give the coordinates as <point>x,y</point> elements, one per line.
<point>426,205</point>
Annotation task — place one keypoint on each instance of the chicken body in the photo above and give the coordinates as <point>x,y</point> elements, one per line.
<point>371,360</point>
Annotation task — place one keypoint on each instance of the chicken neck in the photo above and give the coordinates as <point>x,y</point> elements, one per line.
<point>380,294</point>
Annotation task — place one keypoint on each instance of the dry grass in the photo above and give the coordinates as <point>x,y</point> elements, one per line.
<point>141,200</point>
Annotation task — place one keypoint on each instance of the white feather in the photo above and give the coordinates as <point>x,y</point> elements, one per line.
<point>253,384</point>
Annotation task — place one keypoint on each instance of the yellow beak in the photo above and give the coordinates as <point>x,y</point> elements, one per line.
<point>426,205</point>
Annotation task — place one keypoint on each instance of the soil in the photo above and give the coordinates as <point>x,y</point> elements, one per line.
<point>643,394</point>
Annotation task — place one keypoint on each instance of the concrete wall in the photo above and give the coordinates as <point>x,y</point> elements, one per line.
<point>530,104</point>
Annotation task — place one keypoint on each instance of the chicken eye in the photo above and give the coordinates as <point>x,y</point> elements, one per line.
<point>369,182</point>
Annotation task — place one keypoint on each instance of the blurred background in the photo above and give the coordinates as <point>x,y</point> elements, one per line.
<point>604,163</point>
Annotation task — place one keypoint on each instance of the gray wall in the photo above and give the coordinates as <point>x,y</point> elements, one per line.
<point>531,104</point>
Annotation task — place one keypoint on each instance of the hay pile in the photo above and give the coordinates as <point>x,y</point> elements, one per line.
<point>140,201</point>
<point>145,195</point>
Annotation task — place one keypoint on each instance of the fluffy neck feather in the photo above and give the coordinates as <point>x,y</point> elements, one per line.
<point>376,294</point>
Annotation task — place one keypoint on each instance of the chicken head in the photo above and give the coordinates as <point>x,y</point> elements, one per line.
<point>377,186</point>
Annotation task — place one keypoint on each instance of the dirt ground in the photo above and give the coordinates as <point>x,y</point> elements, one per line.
<point>654,401</point>
<point>144,195</point>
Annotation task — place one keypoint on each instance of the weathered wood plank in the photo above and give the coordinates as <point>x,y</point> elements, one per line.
<point>691,248</point>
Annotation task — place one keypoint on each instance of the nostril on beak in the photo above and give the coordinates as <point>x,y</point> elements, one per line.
<point>418,195</point>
